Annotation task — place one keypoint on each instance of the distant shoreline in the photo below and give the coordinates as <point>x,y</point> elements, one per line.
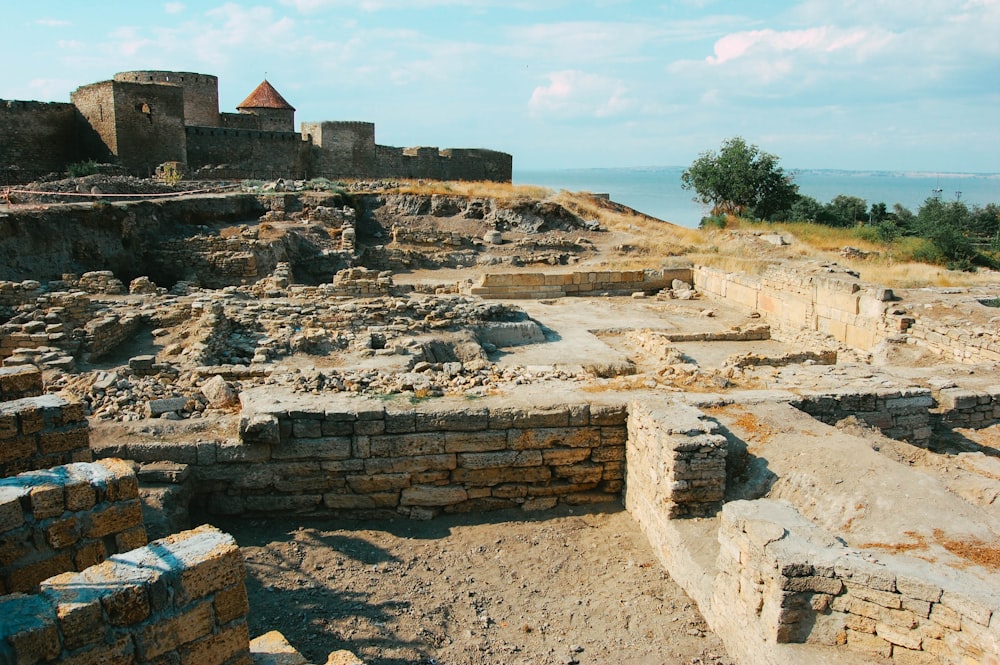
<point>657,191</point>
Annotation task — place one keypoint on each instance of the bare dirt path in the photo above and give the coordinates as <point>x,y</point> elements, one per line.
<point>567,586</point>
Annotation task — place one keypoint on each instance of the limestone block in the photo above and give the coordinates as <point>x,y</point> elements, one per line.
<point>430,495</point>
<point>273,649</point>
<point>410,464</point>
<point>488,477</point>
<point>552,437</point>
<point>425,443</point>
<point>259,428</point>
<point>562,456</point>
<point>457,420</point>
<point>507,418</point>
<point>320,448</point>
<point>498,459</point>
<point>231,645</point>
<point>157,407</point>
<point>161,637</point>
<point>474,442</point>
<point>28,629</point>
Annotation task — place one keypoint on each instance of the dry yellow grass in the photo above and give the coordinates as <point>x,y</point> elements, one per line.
<point>497,190</point>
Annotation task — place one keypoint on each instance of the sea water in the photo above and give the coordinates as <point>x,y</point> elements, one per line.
<point>657,191</point>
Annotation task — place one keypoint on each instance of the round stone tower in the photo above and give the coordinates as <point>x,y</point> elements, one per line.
<point>201,93</point>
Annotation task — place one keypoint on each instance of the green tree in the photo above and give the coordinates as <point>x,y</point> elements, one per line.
<point>740,179</point>
<point>878,213</point>
<point>846,210</point>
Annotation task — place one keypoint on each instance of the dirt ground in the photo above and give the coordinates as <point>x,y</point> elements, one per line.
<point>570,586</point>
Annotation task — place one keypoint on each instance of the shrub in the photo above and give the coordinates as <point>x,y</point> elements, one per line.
<point>713,222</point>
<point>81,169</point>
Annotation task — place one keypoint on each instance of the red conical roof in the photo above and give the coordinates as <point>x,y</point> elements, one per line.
<point>265,96</point>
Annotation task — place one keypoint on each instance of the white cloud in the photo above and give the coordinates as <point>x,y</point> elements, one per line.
<point>769,42</point>
<point>572,93</point>
<point>128,41</point>
<point>312,6</point>
<point>173,7</point>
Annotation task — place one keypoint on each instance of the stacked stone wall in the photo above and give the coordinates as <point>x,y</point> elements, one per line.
<point>47,322</point>
<point>38,138</point>
<point>181,599</point>
<point>341,149</point>
<point>957,407</point>
<point>65,519</point>
<point>845,309</point>
<point>149,125</point>
<point>454,164</point>
<point>20,382</point>
<point>96,105</point>
<point>957,342</point>
<point>39,432</point>
<point>360,458</point>
<point>676,460</point>
<point>898,413</point>
<point>798,584</point>
<point>402,234</point>
<point>557,285</point>
<point>201,92</point>
<point>107,333</point>
<point>250,153</point>
<point>13,294</point>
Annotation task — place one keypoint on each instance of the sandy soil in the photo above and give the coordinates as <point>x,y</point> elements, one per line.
<point>569,586</point>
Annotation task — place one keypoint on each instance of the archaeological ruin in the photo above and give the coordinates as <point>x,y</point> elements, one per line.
<point>812,457</point>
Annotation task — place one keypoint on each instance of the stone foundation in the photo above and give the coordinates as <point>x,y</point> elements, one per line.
<point>39,432</point>
<point>845,309</point>
<point>800,584</point>
<point>677,459</point>
<point>899,414</point>
<point>344,456</point>
<point>558,285</point>
<point>66,518</point>
<point>181,599</point>
<point>957,407</point>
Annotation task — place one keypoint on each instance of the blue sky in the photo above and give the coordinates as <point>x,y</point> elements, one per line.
<point>909,85</point>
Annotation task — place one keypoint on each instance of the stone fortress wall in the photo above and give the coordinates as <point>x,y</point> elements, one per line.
<point>38,137</point>
<point>144,118</point>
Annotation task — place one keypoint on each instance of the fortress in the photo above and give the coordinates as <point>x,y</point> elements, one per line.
<point>141,119</point>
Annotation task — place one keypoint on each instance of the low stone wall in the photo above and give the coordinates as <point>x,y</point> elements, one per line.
<point>39,432</point>
<point>847,310</point>
<point>13,294</point>
<point>46,320</point>
<point>799,584</point>
<point>181,599</point>
<point>968,408</point>
<point>106,334</point>
<point>408,236</point>
<point>958,342</point>
<point>352,457</point>
<point>676,460</point>
<point>20,382</point>
<point>899,414</point>
<point>345,455</point>
<point>557,285</point>
<point>66,518</point>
